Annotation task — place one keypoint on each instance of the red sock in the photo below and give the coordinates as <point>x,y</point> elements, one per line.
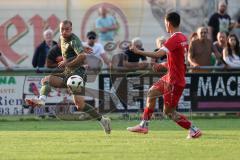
<point>183,121</point>
<point>147,114</point>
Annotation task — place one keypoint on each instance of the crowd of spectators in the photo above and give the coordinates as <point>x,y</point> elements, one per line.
<point>213,45</point>
<point>216,44</point>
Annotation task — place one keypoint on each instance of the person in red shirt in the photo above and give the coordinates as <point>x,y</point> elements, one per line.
<point>172,84</point>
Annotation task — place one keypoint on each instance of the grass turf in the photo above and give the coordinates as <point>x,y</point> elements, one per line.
<point>66,140</point>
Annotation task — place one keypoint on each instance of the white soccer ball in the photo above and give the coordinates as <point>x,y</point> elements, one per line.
<point>74,83</point>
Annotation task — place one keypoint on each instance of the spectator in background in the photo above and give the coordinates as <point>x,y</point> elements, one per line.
<point>40,55</point>
<point>159,43</point>
<point>219,21</point>
<point>97,48</point>
<point>54,57</point>
<point>193,36</point>
<point>220,44</point>
<point>200,51</point>
<point>135,61</point>
<point>231,54</point>
<point>106,26</point>
<point>236,28</point>
<point>4,62</point>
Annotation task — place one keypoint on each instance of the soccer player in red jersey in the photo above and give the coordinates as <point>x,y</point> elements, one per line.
<point>172,84</point>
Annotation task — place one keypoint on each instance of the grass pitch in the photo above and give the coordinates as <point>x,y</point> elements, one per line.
<point>85,140</point>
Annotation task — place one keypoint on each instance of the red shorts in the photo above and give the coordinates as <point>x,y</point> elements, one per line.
<point>171,93</point>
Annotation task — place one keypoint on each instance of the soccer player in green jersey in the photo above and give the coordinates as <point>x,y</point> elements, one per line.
<point>73,60</point>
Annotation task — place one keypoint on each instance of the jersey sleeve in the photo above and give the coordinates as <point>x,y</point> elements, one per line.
<point>170,44</point>
<point>51,56</point>
<point>54,53</point>
<point>77,46</point>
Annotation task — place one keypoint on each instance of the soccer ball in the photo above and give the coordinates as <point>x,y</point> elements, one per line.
<point>74,83</point>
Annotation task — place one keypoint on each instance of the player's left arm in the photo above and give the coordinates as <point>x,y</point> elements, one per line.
<point>77,61</point>
<point>81,55</point>
<point>51,64</point>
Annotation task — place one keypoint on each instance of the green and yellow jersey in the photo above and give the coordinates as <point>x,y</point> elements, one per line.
<point>71,47</point>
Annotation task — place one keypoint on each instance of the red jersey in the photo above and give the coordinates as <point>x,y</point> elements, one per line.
<point>176,47</point>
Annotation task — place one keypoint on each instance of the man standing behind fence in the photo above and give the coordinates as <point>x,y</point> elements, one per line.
<point>200,51</point>
<point>41,52</point>
<point>106,25</point>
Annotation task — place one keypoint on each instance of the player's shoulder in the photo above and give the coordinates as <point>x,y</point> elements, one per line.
<point>178,36</point>
<point>74,37</point>
<point>75,40</point>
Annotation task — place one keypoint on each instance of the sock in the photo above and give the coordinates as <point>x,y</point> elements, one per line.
<point>193,128</point>
<point>92,112</point>
<point>45,89</point>
<point>183,121</point>
<point>144,124</point>
<point>147,114</point>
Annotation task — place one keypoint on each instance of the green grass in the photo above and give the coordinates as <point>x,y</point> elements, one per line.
<point>84,140</point>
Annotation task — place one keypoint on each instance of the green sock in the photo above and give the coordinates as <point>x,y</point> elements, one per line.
<point>92,112</point>
<point>45,89</point>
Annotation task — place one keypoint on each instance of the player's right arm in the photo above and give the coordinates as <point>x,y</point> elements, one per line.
<point>80,57</point>
<point>159,53</point>
<point>77,61</point>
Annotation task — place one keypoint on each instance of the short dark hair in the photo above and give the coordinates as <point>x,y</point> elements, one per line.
<point>91,34</point>
<point>66,22</point>
<point>173,18</point>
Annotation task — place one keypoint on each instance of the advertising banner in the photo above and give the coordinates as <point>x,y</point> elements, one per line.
<point>11,97</point>
<point>203,92</point>
<point>14,89</point>
<point>214,92</point>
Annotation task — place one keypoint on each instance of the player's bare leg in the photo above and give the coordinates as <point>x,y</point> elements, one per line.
<point>182,121</point>
<point>47,82</point>
<point>87,108</point>
<point>153,94</point>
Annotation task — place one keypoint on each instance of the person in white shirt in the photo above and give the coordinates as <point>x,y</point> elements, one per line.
<point>97,51</point>
<point>231,54</point>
